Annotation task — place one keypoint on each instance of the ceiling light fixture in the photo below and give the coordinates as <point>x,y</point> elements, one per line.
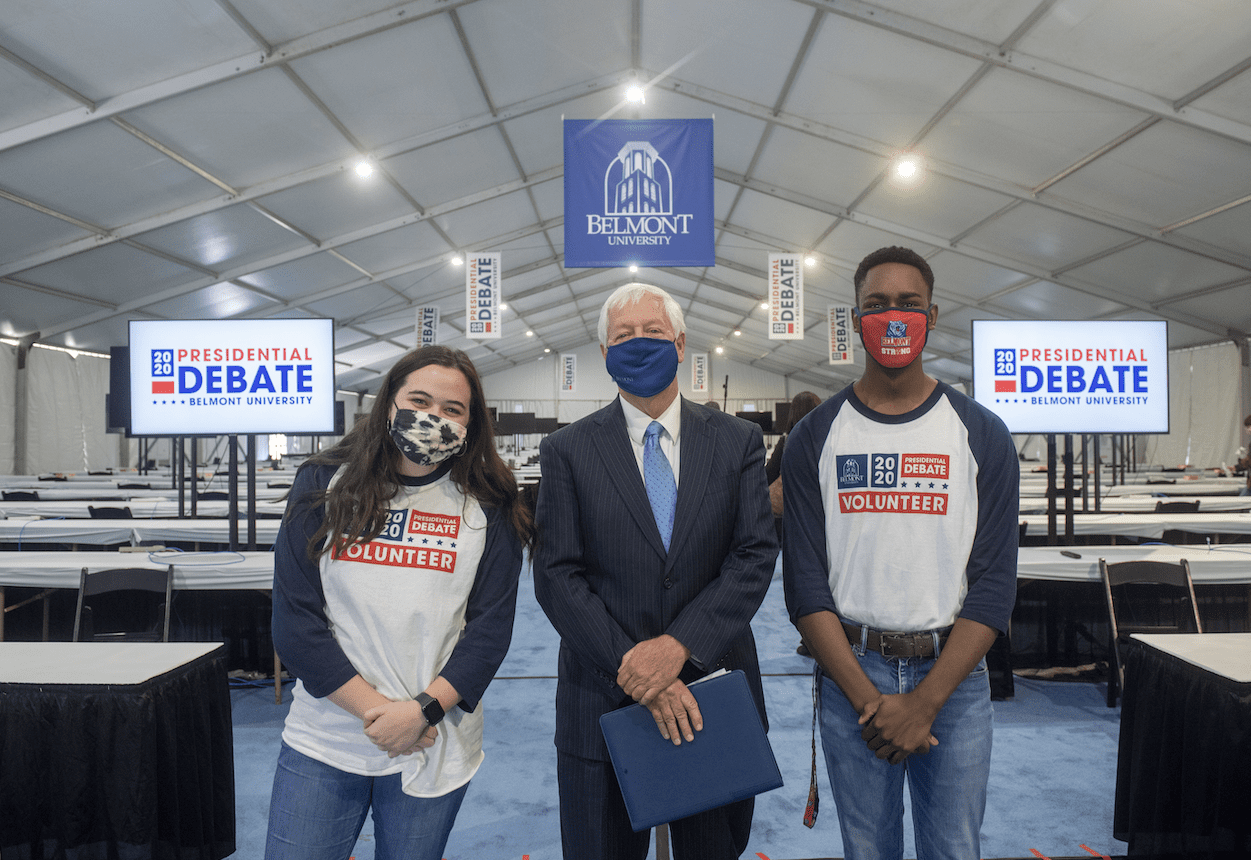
<point>634,94</point>
<point>907,167</point>
<point>457,261</point>
<point>503,307</point>
<point>364,168</point>
<point>719,350</point>
<point>738,332</point>
<point>810,261</point>
<point>633,268</point>
<point>764,306</point>
<point>529,334</point>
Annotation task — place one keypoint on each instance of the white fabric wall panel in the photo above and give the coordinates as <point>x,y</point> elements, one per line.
<point>1204,400</point>
<point>536,386</point>
<point>65,416</point>
<point>8,416</point>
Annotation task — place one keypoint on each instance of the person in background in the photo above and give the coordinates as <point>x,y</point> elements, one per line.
<point>803,403</point>
<point>395,584</point>
<point>1244,459</point>
<point>899,568</point>
<point>656,552</point>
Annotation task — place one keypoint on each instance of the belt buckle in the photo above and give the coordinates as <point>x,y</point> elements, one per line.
<point>897,645</point>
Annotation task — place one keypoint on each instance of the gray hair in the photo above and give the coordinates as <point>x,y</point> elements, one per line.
<point>628,294</point>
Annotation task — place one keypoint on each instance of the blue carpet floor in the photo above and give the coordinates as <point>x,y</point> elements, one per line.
<point>1051,788</point>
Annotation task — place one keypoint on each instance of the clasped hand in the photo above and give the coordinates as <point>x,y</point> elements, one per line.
<point>649,675</point>
<point>399,728</point>
<point>897,726</point>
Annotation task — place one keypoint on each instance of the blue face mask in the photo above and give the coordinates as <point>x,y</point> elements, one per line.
<point>643,366</point>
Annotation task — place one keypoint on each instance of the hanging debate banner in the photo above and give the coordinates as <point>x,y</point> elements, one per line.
<point>482,295</point>
<point>841,334</point>
<point>786,297</point>
<point>568,373</point>
<point>427,326</point>
<point>699,373</point>
<point>638,192</point>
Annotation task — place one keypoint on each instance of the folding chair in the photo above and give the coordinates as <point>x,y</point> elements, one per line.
<point>110,513</point>
<point>1145,597</point>
<point>112,598</point>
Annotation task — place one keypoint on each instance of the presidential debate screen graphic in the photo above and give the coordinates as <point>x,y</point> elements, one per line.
<point>1062,376</point>
<point>211,377</point>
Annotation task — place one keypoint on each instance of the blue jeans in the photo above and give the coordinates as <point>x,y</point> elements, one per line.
<point>316,813</point>
<point>947,784</point>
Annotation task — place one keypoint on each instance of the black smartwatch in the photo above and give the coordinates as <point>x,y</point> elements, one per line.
<point>431,708</point>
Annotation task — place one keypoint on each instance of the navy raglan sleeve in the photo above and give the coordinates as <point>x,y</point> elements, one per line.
<point>992,563</point>
<point>805,559</point>
<point>301,631</point>
<point>489,615</point>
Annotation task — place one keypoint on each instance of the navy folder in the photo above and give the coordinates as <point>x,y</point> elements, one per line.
<point>729,760</point>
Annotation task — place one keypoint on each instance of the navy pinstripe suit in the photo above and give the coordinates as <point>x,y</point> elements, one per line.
<point>603,577</point>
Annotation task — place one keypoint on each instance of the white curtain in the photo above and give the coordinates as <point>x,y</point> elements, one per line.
<point>8,397</point>
<point>1204,404</point>
<point>65,414</point>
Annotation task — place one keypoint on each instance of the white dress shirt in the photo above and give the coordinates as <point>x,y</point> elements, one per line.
<point>637,422</point>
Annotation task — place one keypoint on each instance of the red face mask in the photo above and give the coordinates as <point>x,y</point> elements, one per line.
<point>894,336</point>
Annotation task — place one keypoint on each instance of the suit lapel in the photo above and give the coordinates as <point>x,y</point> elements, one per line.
<point>617,454</point>
<point>697,449</point>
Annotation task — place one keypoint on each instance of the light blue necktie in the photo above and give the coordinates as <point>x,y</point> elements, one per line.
<point>662,491</point>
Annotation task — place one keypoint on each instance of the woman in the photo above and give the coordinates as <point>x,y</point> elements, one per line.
<point>803,403</point>
<point>395,583</point>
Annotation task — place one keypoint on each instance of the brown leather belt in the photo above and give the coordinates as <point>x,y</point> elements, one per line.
<point>896,644</point>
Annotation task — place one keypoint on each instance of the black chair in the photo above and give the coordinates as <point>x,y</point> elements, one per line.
<point>1145,597</point>
<point>214,496</point>
<point>1177,536</point>
<point>1177,507</point>
<point>115,598</point>
<point>107,513</point>
<point>19,495</point>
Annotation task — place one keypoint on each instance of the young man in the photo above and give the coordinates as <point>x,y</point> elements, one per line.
<point>899,567</point>
<point>657,549</point>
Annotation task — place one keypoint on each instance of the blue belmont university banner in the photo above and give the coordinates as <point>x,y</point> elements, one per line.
<point>638,192</point>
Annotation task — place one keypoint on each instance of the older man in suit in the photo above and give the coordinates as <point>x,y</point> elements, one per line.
<point>656,548</point>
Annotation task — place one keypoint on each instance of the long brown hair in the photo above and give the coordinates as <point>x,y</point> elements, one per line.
<point>358,502</point>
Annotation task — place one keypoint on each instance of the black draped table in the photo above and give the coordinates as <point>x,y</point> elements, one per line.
<point>1183,781</point>
<point>117,749</point>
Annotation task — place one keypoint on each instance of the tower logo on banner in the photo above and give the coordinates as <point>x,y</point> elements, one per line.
<point>568,373</point>
<point>786,297</point>
<point>482,295</point>
<point>427,326</point>
<point>699,373</point>
<point>639,192</point>
<point>840,335</point>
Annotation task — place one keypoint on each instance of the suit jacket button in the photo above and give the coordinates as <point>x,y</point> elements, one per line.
<point>668,583</point>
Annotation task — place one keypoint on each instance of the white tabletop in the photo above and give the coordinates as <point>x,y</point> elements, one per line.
<point>108,532</point>
<point>1150,526</point>
<point>207,571</point>
<point>1140,504</point>
<point>139,508</point>
<point>1225,654</point>
<point>1217,565</point>
<point>94,662</point>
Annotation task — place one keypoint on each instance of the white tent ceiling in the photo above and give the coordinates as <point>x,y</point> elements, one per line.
<point>1083,159</point>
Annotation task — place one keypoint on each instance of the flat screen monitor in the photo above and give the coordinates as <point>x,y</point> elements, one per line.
<point>1064,376</point>
<point>222,377</point>
<point>764,419</point>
